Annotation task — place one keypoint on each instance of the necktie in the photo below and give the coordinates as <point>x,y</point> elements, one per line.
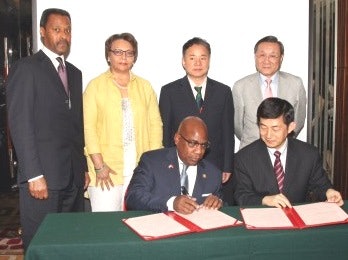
<point>278,170</point>
<point>199,99</point>
<point>62,74</point>
<point>184,180</point>
<point>268,91</point>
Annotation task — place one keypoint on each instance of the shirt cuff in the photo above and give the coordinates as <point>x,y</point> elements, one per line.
<point>170,204</point>
<point>35,178</point>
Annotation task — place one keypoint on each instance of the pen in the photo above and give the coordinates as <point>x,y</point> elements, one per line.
<point>206,194</point>
<point>184,190</point>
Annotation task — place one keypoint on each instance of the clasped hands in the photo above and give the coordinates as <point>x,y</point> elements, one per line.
<point>186,204</point>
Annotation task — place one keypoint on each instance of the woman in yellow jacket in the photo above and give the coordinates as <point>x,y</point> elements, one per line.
<point>121,121</point>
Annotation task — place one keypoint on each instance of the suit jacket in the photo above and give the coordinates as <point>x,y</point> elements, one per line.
<point>255,178</point>
<point>47,135</point>
<point>157,178</point>
<point>247,97</point>
<point>177,101</point>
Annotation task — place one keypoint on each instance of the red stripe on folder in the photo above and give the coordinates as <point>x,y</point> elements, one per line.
<point>294,217</point>
<point>184,221</point>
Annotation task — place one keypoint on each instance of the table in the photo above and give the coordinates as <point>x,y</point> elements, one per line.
<point>103,236</point>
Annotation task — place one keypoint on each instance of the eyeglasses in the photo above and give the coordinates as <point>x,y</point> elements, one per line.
<point>119,52</point>
<point>271,57</point>
<point>195,144</point>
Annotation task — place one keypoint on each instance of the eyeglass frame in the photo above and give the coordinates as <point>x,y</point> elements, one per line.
<point>119,52</point>
<point>271,57</point>
<point>194,144</point>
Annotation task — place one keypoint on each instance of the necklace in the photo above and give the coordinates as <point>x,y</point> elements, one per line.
<point>120,87</point>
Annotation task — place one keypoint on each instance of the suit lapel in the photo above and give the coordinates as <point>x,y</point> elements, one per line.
<point>187,93</point>
<point>48,67</point>
<point>283,88</point>
<point>290,165</point>
<point>255,95</point>
<point>171,166</point>
<point>200,180</point>
<point>266,166</point>
<point>209,95</point>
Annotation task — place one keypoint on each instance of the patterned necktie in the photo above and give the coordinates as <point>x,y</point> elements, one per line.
<point>184,180</point>
<point>62,74</point>
<point>278,170</point>
<point>199,99</point>
<point>268,91</point>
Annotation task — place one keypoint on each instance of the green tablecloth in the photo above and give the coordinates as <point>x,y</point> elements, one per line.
<point>104,236</point>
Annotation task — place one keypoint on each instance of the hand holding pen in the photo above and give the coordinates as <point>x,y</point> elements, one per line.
<point>185,204</point>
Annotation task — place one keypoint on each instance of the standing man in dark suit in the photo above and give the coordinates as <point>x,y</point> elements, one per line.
<point>46,126</point>
<point>156,183</point>
<point>197,95</point>
<point>298,174</point>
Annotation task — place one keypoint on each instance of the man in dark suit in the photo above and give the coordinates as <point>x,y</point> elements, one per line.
<point>301,174</point>
<point>212,102</point>
<point>46,126</point>
<point>157,184</point>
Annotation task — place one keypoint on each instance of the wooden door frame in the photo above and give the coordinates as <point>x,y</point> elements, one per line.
<point>341,127</point>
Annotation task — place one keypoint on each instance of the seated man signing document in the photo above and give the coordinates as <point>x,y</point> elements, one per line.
<point>277,169</point>
<point>177,178</point>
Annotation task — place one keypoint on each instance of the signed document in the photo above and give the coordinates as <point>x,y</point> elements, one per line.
<point>297,217</point>
<point>164,225</point>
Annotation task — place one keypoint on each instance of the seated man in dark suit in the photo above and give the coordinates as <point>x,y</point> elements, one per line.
<point>159,184</point>
<point>278,170</point>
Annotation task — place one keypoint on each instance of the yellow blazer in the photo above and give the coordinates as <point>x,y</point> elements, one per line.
<point>103,121</point>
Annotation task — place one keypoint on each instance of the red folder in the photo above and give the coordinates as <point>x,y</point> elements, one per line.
<point>169,224</point>
<point>297,217</point>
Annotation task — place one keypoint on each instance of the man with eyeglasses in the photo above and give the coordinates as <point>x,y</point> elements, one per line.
<point>156,182</point>
<point>268,81</point>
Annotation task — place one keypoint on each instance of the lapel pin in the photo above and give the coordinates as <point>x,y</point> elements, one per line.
<point>170,166</point>
<point>204,176</point>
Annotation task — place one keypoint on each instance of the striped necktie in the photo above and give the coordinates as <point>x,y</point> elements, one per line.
<point>278,170</point>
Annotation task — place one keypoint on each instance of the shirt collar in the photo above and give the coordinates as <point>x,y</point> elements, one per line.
<point>53,56</point>
<point>274,78</point>
<point>281,149</point>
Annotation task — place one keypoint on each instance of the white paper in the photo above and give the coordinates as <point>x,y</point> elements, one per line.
<point>266,218</point>
<point>210,218</point>
<point>321,213</point>
<point>155,225</point>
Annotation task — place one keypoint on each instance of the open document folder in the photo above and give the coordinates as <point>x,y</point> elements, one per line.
<point>297,217</point>
<point>164,225</point>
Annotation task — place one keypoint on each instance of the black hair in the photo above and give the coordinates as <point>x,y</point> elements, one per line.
<point>272,108</point>
<point>193,41</point>
<point>46,13</point>
<point>270,38</point>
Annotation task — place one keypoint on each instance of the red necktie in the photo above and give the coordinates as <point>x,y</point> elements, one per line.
<point>268,91</point>
<point>62,74</point>
<point>278,170</point>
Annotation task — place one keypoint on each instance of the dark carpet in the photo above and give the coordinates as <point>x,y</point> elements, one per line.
<point>10,241</point>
